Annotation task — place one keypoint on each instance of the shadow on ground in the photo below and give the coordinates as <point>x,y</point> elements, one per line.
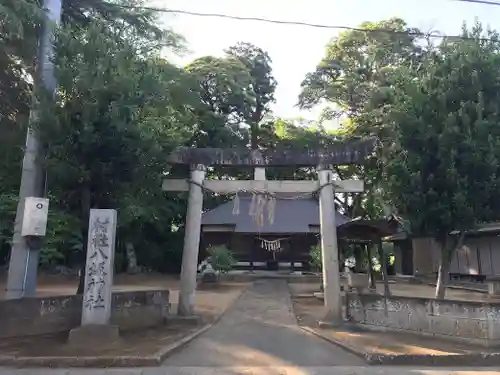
<point>260,329</point>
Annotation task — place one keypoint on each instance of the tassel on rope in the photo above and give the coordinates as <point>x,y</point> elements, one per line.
<point>271,206</point>
<point>261,204</point>
<point>251,212</point>
<point>258,206</point>
<point>236,204</point>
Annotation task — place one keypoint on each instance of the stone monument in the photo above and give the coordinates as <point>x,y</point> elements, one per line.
<point>96,302</point>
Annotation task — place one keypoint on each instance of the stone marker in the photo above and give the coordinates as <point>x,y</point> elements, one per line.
<point>208,275</point>
<point>96,303</point>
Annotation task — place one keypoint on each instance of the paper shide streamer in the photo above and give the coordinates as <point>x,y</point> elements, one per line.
<point>273,246</point>
<point>258,207</point>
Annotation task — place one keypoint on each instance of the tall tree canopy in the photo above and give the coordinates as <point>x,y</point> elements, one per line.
<point>443,169</point>
<point>262,85</point>
<point>120,110</point>
<point>355,78</point>
<point>237,89</point>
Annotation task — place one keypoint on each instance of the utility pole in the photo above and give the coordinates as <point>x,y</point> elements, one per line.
<point>23,265</point>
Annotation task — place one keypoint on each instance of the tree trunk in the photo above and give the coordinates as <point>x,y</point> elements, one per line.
<point>85,214</point>
<point>447,248</point>
<point>383,264</point>
<point>254,126</point>
<point>370,267</point>
<point>358,257</point>
<point>254,140</point>
<point>132,267</point>
<point>444,266</point>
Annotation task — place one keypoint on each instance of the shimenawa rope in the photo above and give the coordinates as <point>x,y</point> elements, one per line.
<point>261,200</point>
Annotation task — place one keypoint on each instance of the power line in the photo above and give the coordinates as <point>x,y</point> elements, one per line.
<point>484,2</point>
<point>429,35</point>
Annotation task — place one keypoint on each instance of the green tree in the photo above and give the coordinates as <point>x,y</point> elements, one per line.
<point>355,78</point>
<point>237,91</point>
<point>262,85</point>
<point>117,117</point>
<point>357,66</point>
<point>443,171</point>
<point>126,27</point>
<point>221,88</point>
<point>20,19</point>
<point>19,32</point>
<point>285,135</point>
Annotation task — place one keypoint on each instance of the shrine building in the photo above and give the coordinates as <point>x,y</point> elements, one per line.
<point>281,243</point>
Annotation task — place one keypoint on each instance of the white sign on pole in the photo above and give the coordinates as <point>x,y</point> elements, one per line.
<point>36,212</point>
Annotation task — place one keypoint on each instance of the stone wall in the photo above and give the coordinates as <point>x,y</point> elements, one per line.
<point>460,320</point>
<point>44,315</point>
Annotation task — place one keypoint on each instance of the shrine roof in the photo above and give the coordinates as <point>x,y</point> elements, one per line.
<point>290,216</point>
<point>363,229</point>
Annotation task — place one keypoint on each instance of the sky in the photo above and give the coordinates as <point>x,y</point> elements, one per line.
<point>295,50</point>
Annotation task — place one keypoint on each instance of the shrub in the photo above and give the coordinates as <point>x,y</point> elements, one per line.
<point>315,254</point>
<point>222,258</point>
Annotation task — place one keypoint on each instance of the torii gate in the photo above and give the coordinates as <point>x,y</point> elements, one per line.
<point>339,153</point>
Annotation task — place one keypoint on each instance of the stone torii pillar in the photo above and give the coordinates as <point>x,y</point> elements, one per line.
<point>259,174</point>
<point>192,233</point>
<point>329,247</point>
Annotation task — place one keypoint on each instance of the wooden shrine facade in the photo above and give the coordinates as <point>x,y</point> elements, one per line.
<point>283,244</point>
<point>250,253</point>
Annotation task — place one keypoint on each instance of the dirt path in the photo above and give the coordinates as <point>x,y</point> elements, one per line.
<point>260,330</point>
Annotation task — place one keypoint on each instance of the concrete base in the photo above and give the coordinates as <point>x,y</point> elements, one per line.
<point>187,319</point>
<point>494,288</point>
<point>93,334</point>
<point>329,324</point>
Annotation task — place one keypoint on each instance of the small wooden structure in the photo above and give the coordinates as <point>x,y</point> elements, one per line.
<point>477,259</point>
<point>367,233</point>
<point>364,230</point>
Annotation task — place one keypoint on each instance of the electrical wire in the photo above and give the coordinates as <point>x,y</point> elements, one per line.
<point>429,35</point>
<point>483,2</point>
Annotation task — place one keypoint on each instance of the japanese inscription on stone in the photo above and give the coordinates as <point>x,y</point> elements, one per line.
<point>99,267</point>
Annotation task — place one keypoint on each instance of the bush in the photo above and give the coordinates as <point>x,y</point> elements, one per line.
<point>222,258</point>
<point>315,254</point>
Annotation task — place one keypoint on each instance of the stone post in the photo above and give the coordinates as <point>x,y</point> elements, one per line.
<point>259,174</point>
<point>329,249</point>
<point>191,243</point>
<point>97,296</point>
